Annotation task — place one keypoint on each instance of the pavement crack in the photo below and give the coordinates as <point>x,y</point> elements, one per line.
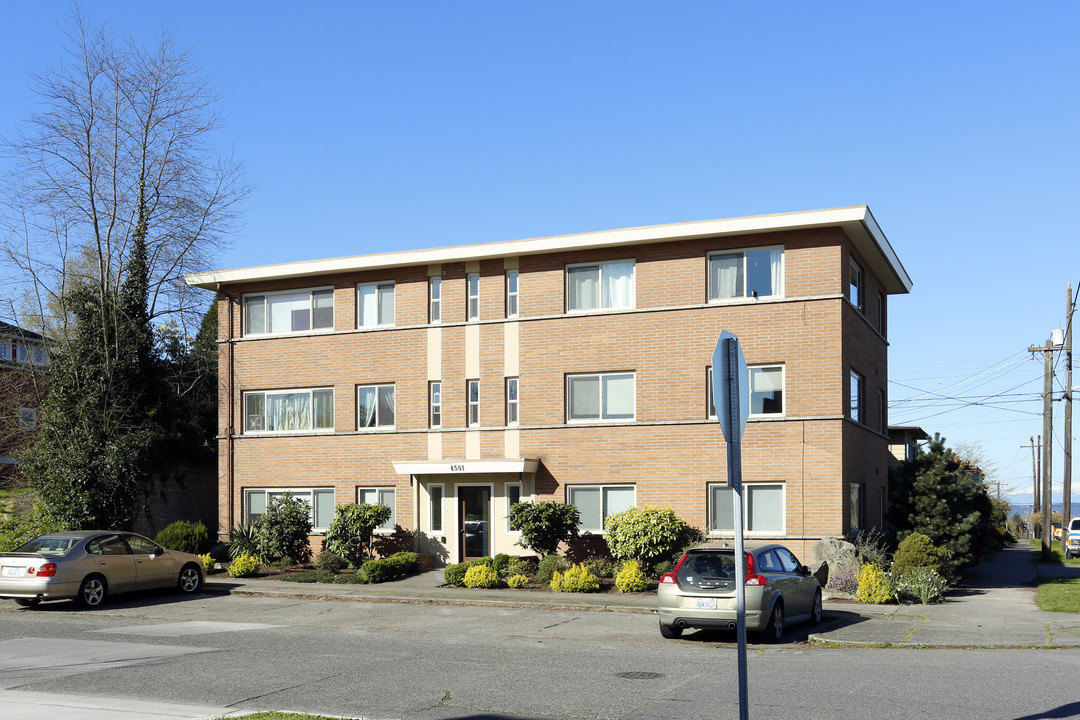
<point>286,689</point>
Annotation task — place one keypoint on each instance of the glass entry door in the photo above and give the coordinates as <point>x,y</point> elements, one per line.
<point>474,513</point>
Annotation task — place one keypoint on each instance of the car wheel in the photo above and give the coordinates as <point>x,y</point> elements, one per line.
<point>92,592</point>
<point>815,610</point>
<point>28,602</point>
<point>774,631</point>
<point>670,633</point>
<point>189,580</point>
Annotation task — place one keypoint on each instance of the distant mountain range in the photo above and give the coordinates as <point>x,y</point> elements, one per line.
<point>1022,502</point>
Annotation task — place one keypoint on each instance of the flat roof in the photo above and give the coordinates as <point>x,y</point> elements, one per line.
<point>856,221</point>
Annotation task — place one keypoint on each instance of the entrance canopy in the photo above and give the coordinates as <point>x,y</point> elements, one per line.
<point>463,467</point>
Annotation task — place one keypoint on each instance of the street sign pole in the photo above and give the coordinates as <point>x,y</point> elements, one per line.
<point>731,398</point>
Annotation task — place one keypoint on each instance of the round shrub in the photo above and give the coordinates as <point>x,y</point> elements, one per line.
<point>644,534</point>
<point>284,528</point>
<point>329,561</point>
<point>844,581</point>
<point>499,564</point>
<point>207,563</point>
<point>924,583</point>
<point>377,571</point>
<point>243,566</point>
<point>548,566</point>
<point>875,586</point>
<point>184,536</point>
<point>631,578</point>
<point>915,551</point>
<point>455,574</point>
<point>481,576</point>
<point>603,567</point>
<point>576,579</point>
<point>521,566</point>
<point>408,561</point>
<point>517,581</point>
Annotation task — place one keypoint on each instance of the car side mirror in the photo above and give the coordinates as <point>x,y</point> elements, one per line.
<point>805,570</point>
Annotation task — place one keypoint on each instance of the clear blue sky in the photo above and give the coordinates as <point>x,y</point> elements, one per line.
<point>378,126</point>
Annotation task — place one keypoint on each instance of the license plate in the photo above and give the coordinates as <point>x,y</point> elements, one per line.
<point>706,604</point>
<point>10,571</point>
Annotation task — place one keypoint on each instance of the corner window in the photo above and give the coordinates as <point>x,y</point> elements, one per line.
<point>375,304</point>
<point>595,503</point>
<point>607,397</point>
<point>379,496</point>
<point>511,293</point>
<point>473,400</point>
<point>375,406</point>
<point>763,508</point>
<point>320,502</point>
<point>434,300</point>
<point>436,493</point>
<point>855,285</point>
<point>435,417</point>
<point>766,390</point>
<point>511,401</point>
<point>473,306</point>
<point>282,411</point>
<point>600,286</point>
<point>746,274</point>
<point>294,311</point>
<point>856,397</point>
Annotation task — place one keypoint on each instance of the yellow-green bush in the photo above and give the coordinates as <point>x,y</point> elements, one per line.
<point>517,581</point>
<point>576,579</point>
<point>875,586</point>
<point>243,566</point>
<point>481,576</point>
<point>207,563</point>
<point>631,578</point>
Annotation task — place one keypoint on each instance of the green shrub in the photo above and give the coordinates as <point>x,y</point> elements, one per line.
<point>875,586</point>
<point>872,547</point>
<point>481,576</point>
<point>311,576</point>
<point>544,525</point>
<point>645,534</point>
<point>548,566</point>
<point>243,566</point>
<point>631,578</point>
<point>499,564</point>
<point>184,536</point>
<point>915,551</point>
<point>377,571</point>
<point>350,579</point>
<point>576,579</point>
<point>517,581</point>
<point>244,540</point>
<point>349,534</point>
<point>329,561</point>
<point>521,566</point>
<point>925,583</point>
<point>207,563</point>
<point>455,574</point>
<point>665,566</point>
<point>284,528</point>
<point>603,567</point>
<point>409,561</point>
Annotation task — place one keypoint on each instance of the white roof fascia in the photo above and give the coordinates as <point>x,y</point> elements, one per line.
<point>850,218</point>
<point>465,467</point>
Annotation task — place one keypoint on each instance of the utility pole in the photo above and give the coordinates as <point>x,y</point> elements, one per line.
<point>1036,506</point>
<point>1066,508</point>
<point>1048,427</point>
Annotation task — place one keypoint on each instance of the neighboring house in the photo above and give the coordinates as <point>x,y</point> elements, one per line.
<point>24,364</point>
<point>904,443</point>
<point>451,383</point>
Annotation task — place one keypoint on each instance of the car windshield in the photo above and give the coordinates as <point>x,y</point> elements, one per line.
<point>1075,525</point>
<point>47,545</point>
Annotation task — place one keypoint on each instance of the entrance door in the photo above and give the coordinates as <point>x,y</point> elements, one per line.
<point>474,520</point>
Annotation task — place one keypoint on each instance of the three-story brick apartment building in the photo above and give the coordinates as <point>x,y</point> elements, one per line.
<point>450,383</point>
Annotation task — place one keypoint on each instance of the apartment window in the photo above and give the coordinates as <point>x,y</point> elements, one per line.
<point>600,397</point>
<point>379,496</point>
<point>766,390</point>
<point>600,286</point>
<point>511,401</point>
<point>881,308</point>
<point>435,417</point>
<point>27,418</point>
<point>513,497</point>
<point>511,293</point>
<point>473,306</point>
<point>282,411</point>
<point>293,311</point>
<point>883,410</point>
<point>435,508</point>
<point>375,304</point>
<point>320,502</point>
<point>473,401</point>
<point>855,506</point>
<point>375,406</point>
<point>596,503</point>
<point>434,299</point>
<point>855,285</point>
<point>856,389</point>
<point>746,274</point>
<point>763,508</point>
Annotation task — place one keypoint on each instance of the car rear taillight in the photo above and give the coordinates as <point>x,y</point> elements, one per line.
<point>46,570</point>
<point>667,578</point>
<point>753,579</point>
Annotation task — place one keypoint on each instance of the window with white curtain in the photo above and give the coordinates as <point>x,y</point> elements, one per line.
<point>379,496</point>
<point>375,304</point>
<point>766,390</point>
<point>595,503</point>
<point>600,286</point>
<point>320,502</point>
<point>290,311</point>
<point>435,416</point>
<point>763,508</point>
<point>746,274</point>
<point>601,397</point>
<point>284,411</point>
<point>375,406</point>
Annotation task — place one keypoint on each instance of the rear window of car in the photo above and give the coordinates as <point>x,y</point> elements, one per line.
<point>707,569</point>
<point>47,546</point>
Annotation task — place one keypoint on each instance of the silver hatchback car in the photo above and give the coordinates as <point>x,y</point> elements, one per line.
<point>88,565</point>
<point>700,591</point>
